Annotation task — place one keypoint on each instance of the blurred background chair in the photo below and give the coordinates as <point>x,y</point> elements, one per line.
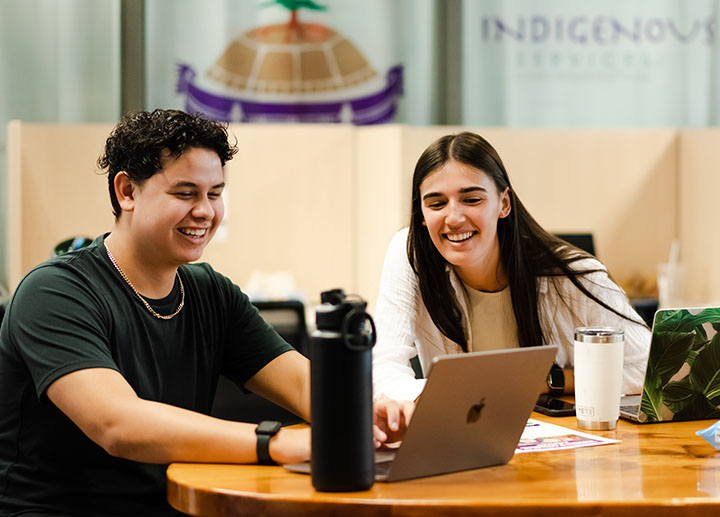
<point>288,319</point>
<point>231,402</point>
<point>645,306</point>
<point>584,241</point>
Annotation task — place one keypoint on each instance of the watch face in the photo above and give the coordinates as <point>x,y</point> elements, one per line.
<point>268,427</point>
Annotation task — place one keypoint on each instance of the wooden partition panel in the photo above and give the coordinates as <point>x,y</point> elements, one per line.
<point>699,219</point>
<point>289,207</point>
<point>621,185</point>
<point>289,201</point>
<point>381,200</point>
<point>56,190</point>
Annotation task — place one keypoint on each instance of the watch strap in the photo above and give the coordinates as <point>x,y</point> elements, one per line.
<point>265,430</point>
<point>556,381</point>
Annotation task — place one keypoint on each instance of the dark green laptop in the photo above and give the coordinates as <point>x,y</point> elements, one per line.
<point>682,378</point>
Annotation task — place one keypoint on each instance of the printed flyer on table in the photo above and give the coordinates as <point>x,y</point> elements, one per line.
<point>542,436</point>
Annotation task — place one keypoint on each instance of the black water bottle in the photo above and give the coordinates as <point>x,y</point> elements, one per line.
<point>341,394</point>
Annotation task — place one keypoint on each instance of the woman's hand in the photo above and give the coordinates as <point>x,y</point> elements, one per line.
<point>390,419</point>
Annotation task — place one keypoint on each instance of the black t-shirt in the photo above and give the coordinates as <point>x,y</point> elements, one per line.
<point>75,312</point>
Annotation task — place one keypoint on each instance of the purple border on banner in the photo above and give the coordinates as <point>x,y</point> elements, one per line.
<point>377,108</point>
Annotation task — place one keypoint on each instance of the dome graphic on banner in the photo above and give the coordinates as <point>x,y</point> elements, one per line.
<point>292,72</point>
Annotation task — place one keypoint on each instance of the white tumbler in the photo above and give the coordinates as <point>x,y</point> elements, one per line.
<point>598,376</point>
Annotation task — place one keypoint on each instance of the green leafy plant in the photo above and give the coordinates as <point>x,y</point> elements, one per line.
<point>294,5</point>
<point>293,25</point>
<point>679,339</point>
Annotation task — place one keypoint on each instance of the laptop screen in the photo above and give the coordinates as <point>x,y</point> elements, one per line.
<point>682,379</point>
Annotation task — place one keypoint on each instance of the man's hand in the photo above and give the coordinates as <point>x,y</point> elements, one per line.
<point>390,419</point>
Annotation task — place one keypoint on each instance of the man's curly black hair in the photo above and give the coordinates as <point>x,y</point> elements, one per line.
<point>142,142</point>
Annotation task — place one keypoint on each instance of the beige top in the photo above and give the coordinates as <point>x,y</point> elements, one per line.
<point>492,320</point>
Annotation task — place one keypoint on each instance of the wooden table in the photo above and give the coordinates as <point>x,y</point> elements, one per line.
<point>657,469</point>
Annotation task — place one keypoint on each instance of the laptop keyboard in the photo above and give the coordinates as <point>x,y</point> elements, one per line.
<point>383,461</point>
<point>632,409</point>
<point>630,405</point>
<point>382,468</point>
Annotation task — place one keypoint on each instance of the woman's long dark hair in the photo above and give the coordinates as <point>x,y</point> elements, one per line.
<point>527,251</point>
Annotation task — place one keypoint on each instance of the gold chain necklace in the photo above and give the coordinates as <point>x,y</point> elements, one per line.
<point>147,305</point>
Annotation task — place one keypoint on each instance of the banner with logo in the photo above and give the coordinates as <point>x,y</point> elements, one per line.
<point>275,60</point>
<point>598,63</point>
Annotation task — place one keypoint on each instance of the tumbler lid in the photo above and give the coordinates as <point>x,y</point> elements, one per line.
<point>599,335</point>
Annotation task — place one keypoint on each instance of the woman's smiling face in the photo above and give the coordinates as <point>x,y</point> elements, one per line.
<point>461,208</point>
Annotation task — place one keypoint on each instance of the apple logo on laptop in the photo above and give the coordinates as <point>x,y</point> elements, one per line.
<point>473,414</point>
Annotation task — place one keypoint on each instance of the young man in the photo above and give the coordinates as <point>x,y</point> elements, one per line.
<point>110,355</point>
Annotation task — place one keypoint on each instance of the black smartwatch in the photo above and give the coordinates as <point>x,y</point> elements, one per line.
<point>264,431</point>
<point>556,381</point>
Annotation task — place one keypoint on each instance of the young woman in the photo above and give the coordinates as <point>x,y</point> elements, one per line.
<point>475,271</point>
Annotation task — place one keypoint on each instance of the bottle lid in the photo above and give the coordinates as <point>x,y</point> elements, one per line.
<point>599,335</point>
<point>346,316</point>
<point>335,306</point>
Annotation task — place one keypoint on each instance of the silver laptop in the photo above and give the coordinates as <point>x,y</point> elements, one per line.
<point>682,369</point>
<point>471,413</point>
